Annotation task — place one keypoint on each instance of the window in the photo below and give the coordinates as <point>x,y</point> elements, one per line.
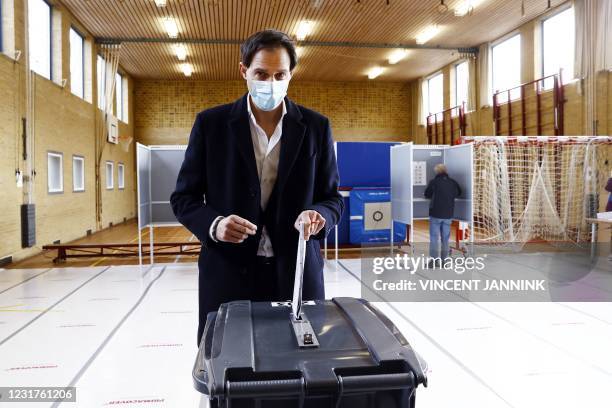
<point>7,27</point>
<point>558,46</point>
<point>109,175</point>
<point>39,37</point>
<point>119,96</point>
<point>461,83</point>
<point>76,63</point>
<point>55,171</point>
<point>506,66</point>
<point>101,78</point>
<point>120,175</point>
<point>435,93</point>
<point>78,173</point>
<point>2,47</point>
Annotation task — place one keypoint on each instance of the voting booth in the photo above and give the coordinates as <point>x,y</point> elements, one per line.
<point>360,165</point>
<point>158,168</point>
<point>370,216</point>
<point>412,167</point>
<point>363,164</point>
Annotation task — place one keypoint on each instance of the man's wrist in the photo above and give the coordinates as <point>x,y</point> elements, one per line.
<point>213,228</point>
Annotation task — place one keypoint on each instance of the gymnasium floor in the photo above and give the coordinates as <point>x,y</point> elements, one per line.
<point>127,232</point>
<point>125,335</point>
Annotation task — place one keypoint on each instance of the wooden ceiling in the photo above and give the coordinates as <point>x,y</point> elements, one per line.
<point>354,21</point>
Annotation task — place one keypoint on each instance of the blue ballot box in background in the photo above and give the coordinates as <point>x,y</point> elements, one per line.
<point>370,217</point>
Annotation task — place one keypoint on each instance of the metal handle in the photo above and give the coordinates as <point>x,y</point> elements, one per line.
<point>296,304</point>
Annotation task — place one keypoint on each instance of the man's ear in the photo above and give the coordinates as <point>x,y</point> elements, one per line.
<point>243,70</point>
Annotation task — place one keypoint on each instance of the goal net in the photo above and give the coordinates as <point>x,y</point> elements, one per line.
<point>534,189</point>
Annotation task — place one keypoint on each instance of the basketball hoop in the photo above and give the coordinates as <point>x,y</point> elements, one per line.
<point>125,142</point>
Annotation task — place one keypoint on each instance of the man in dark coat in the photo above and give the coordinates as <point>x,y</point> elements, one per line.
<point>253,170</point>
<point>442,191</point>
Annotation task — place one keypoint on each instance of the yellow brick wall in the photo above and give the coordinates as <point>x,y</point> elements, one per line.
<point>62,123</point>
<point>165,110</point>
<point>116,203</point>
<point>10,131</point>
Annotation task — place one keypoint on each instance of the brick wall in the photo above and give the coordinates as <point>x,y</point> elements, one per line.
<point>165,110</point>
<point>10,235</point>
<point>62,123</point>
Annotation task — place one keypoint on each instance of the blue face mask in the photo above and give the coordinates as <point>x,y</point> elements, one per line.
<point>267,95</point>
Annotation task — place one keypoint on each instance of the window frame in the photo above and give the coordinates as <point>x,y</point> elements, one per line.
<point>427,79</point>
<point>494,44</point>
<point>119,101</point>
<point>455,65</point>
<point>77,157</point>
<point>1,28</point>
<point>51,72</point>
<point>121,176</point>
<point>82,36</point>
<point>60,155</point>
<point>543,19</point>
<point>110,186</point>
<point>101,84</point>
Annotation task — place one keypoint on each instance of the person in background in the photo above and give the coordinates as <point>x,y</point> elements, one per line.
<point>609,189</point>
<point>442,192</point>
<point>609,207</point>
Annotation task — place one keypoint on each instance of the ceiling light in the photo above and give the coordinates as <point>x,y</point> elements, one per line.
<point>465,7</point>
<point>304,29</point>
<point>160,3</point>
<point>187,69</point>
<point>397,56</point>
<point>181,51</point>
<point>374,72</point>
<point>427,34</point>
<point>171,27</point>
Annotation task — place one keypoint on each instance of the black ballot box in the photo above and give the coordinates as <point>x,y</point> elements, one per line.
<point>341,352</point>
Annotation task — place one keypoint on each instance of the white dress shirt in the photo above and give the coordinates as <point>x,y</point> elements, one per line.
<point>267,155</point>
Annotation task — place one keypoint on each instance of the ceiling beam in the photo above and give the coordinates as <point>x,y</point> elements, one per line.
<point>347,44</point>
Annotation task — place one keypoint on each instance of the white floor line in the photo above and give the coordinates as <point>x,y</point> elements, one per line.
<point>3,341</point>
<point>23,281</point>
<point>110,335</point>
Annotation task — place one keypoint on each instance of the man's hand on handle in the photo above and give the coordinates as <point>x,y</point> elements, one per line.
<point>313,223</point>
<point>234,229</point>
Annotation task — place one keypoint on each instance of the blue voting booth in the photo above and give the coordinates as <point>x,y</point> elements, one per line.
<point>370,217</point>
<point>363,166</point>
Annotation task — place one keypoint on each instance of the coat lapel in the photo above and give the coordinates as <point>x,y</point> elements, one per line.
<point>291,141</point>
<point>241,132</point>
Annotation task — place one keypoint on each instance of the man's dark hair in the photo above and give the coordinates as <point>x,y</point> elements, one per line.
<point>267,39</point>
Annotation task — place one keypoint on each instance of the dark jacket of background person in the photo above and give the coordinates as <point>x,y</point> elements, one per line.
<point>220,165</point>
<point>609,189</point>
<point>442,191</point>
